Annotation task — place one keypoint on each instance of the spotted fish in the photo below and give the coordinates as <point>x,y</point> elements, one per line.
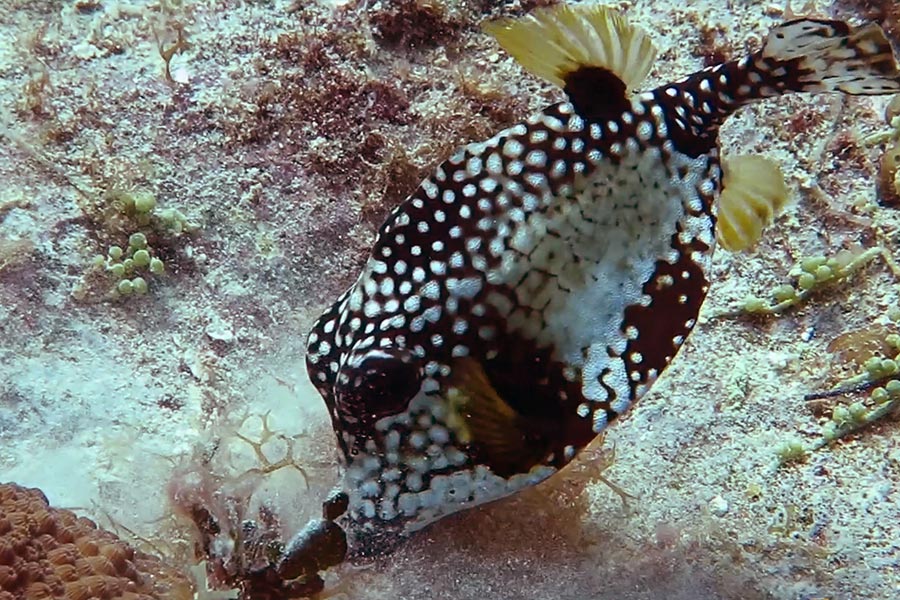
<point>530,290</point>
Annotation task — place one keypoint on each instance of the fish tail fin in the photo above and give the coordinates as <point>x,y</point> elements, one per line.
<point>805,55</point>
<point>811,55</point>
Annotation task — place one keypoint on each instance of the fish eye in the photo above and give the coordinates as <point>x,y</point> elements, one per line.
<point>380,384</point>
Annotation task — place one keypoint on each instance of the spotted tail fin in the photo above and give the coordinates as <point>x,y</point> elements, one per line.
<point>798,56</point>
<point>827,56</point>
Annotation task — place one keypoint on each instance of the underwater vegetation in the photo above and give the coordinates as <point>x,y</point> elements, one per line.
<point>128,267</point>
<point>287,131</point>
<point>889,176</point>
<point>240,550</point>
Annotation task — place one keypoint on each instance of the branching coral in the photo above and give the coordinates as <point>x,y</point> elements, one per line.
<point>51,553</point>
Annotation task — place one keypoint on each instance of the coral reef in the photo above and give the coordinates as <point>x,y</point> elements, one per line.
<point>48,553</point>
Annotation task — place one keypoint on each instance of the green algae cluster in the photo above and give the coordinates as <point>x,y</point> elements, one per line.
<point>131,267</point>
<point>877,381</point>
<point>881,379</point>
<point>810,275</point>
<point>128,266</point>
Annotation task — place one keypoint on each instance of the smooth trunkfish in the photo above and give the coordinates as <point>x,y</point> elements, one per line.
<point>530,290</point>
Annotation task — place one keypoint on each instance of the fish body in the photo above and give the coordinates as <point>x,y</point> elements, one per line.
<point>530,290</point>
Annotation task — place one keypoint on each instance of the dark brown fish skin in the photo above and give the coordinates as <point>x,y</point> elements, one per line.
<point>620,201</point>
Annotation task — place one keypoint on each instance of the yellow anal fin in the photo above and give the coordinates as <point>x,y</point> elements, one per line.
<point>556,42</point>
<point>753,192</point>
<point>510,441</point>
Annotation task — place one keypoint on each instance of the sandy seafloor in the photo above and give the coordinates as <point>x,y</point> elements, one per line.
<point>286,132</point>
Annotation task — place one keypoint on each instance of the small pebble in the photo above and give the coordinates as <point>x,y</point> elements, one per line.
<point>220,330</point>
<point>718,506</point>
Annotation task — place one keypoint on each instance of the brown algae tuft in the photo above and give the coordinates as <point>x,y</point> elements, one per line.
<point>237,539</point>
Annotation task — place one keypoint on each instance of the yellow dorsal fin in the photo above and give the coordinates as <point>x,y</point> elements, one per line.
<point>481,416</point>
<point>753,192</point>
<point>557,41</point>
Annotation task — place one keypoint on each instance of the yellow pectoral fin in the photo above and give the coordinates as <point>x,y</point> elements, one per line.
<point>509,440</point>
<point>753,192</point>
<point>555,42</point>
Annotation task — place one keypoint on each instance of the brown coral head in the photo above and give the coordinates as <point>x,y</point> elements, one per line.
<point>51,553</point>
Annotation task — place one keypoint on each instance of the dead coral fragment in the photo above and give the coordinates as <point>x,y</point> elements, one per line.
<point>52,553</point>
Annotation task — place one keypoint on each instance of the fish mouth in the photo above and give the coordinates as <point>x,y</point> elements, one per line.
<point>319,546</point>
<point>328,542</point>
